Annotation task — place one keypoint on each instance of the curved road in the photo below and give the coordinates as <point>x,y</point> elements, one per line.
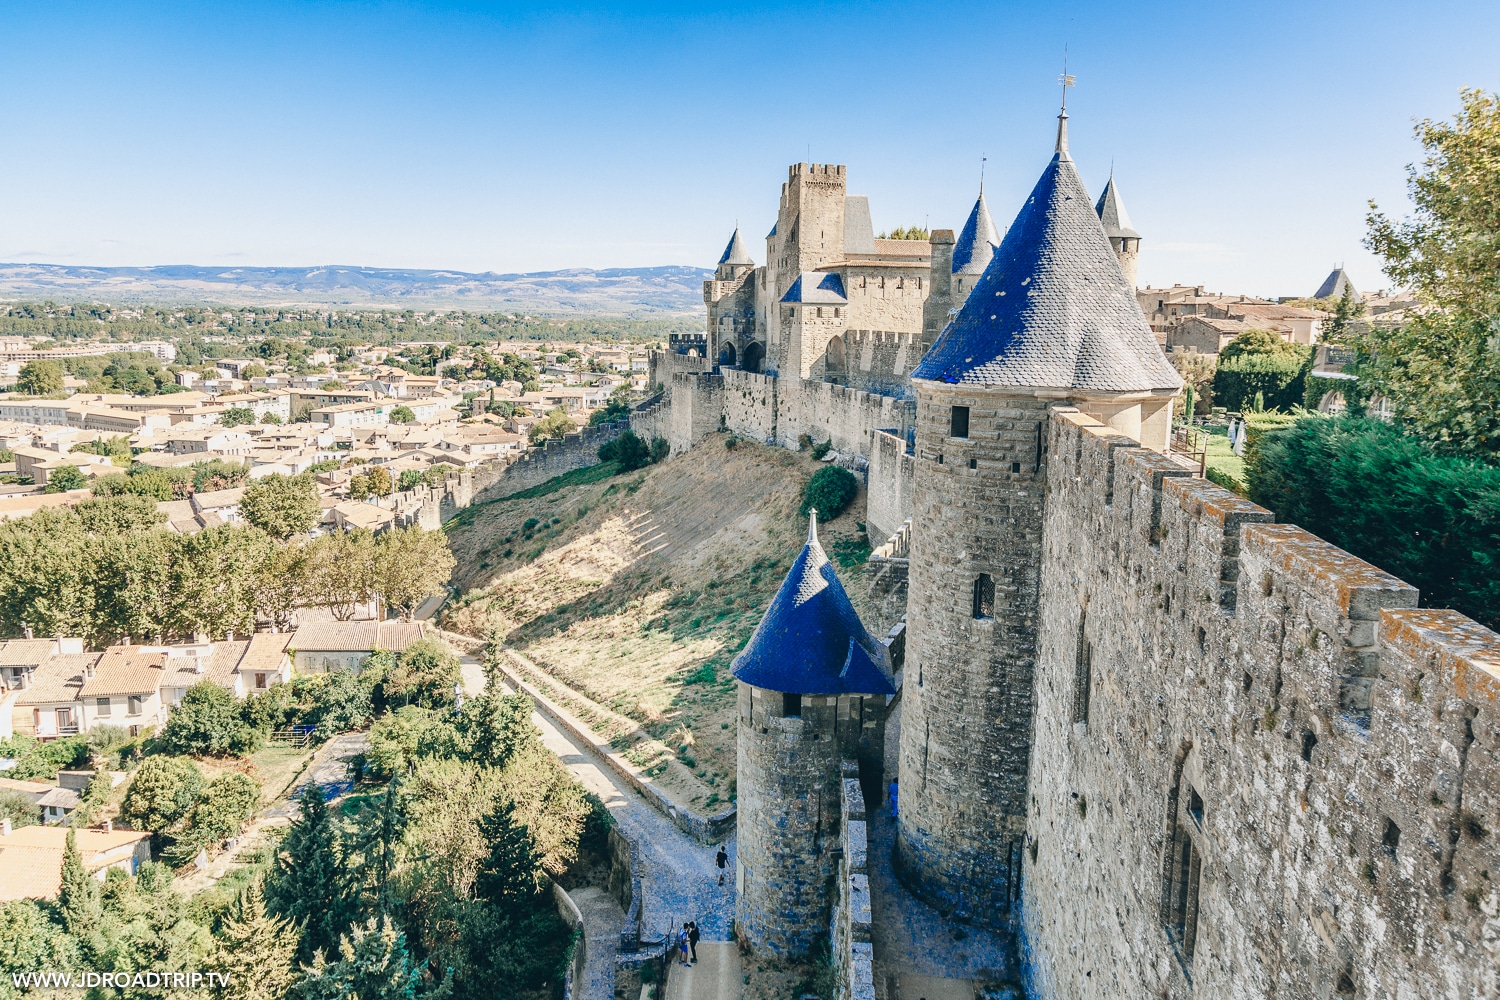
<point>679,879</point>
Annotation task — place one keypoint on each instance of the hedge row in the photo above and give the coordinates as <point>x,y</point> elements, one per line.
<point>1364,485</point>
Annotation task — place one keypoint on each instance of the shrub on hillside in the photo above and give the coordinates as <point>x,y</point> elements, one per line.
<point>628,449</point>
<point>829,491</point>
<point>1364,485</point>
<point>222,809</point>
<point>210,722</point>
<point>161,792</point>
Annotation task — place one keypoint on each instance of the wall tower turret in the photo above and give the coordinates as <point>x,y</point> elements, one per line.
<point>1123,240</point>
<point>1052,319</point>
<point>812,683</point>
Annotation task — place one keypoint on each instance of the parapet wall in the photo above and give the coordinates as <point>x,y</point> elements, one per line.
<point>540,463</point>
<point>750,405</point>
<point>889,489</point>
<point>881,361</point>
<point>850,933</point>
<point>1259,770</point>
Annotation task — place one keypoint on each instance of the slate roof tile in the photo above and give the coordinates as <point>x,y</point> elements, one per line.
<point>1053,308</point>
<point>811,640</point>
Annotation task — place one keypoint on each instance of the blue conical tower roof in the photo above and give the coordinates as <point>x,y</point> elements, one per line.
<point>735,252</point>
<point>811,640</point>
<point>977,242</point>
<point>1053,308</point>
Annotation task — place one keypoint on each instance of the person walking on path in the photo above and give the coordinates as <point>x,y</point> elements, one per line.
<point>722,860</point>
<point>892,797</point>
<point>693,939</point>
<point>682,945</point>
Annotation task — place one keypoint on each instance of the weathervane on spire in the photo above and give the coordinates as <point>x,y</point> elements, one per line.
<point>1062,119</point>
<point>1066,80</point>
<point>982,161</point>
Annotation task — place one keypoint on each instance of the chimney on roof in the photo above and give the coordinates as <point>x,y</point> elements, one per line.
<point>5,826</point>
<point>109,826</point>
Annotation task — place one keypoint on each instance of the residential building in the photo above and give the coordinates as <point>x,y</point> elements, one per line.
<point>31,857</point>
<point>326,646</point>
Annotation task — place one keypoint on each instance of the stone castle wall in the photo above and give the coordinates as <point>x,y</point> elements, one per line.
<point>889,488</point>
<point>881,362</point>
<point>540,463</point>
<point>852,949</point>
<point>750,405</point>
<point>1258,769</point>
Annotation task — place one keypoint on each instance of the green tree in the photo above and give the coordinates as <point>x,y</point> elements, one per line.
<point>307,883</point>
<point>343,703</point>
<point>281,583</point>
<point>554,425</point>
<point>630,451</point>
<point>215,580</point>
<point>341,571</point>
<point>222,810</point>
<point>374,964</point>
<point>424,674</point>
<point>411,565</point>
<point>380,481</point>
<point>78,899</point>
<point>830,490</point>
<point>282,506</point>
<point>1440,370</point>
<point>40,378</point>
<point>1260,361</point>
<point>237,415</point>
<point>19,808</point>
<point>618,408</point>
<point>256,950</point>
<point>209,723</point>
<point>118,515</point>
<point>65,478</point>
<point>359,486</point>
<point>254,370</point>
<point>402,415</point>
<point>161,793</point>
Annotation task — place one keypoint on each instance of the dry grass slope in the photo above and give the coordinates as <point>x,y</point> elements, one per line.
<point>636,591</point>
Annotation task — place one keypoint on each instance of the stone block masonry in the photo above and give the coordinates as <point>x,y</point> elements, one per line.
<point>1259,769</point>
<point>538,464</point>
<point>974,568</point>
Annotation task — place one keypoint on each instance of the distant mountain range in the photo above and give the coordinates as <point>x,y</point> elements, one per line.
<point>619,291</point>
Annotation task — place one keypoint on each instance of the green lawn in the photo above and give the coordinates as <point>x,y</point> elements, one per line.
<point>277,766</point>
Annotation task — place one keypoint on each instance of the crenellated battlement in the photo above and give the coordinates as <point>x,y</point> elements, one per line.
<point>1268,733</point>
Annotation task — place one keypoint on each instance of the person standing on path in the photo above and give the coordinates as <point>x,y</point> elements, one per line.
<point>693,939</point>
<point>722,860</point>
<point>682,945</point>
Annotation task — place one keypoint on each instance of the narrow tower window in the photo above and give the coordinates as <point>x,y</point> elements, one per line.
<point>791,706</point>
<point>1083,666</point>
<point>1182,899</point>
<point>984,596</point>
<point>959,423</point>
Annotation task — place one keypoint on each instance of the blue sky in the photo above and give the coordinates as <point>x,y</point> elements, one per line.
<point>1246,138</point>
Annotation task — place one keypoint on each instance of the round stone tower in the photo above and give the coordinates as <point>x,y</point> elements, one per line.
<point>1052,320</point>
<point>813,685</point>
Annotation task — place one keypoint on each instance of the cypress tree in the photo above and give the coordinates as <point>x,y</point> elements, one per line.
<point>256,950</point>
<point>79,899</point>
<point>308,883</point>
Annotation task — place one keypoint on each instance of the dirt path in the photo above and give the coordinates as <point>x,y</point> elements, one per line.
<point>716,976</point>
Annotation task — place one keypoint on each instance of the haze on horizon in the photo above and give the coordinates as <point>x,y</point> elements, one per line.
<point>493,137</point>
